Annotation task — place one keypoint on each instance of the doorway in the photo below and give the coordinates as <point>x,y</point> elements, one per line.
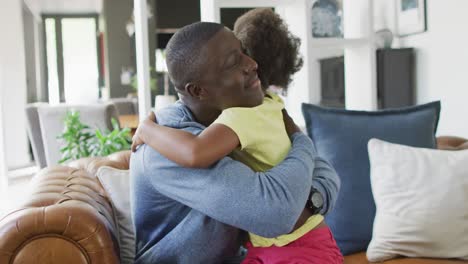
<point>72,52</point>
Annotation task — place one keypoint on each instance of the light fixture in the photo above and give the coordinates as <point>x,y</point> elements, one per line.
<point>130,25</point>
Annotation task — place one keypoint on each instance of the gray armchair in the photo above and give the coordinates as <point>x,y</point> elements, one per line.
<point>34,133</point>
<point>45,123</point>
<point>125,106</point>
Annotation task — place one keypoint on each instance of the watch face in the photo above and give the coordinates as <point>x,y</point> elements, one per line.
<point>317,200</point>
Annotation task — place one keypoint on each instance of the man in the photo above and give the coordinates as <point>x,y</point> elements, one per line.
<point>186,215</point>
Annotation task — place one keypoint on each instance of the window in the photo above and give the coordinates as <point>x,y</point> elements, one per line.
<point>72,55</point>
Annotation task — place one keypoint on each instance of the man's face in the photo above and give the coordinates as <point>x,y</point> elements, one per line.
<point>228,77</point>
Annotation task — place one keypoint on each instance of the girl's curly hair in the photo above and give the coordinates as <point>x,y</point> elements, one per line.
<point>268,41</point>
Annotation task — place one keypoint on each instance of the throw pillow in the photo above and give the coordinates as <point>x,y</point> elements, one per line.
<point>116,183</point>
<point>341,137</point>
<point>421,197</point>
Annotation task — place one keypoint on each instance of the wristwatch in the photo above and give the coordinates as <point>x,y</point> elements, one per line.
<point>315,201</point>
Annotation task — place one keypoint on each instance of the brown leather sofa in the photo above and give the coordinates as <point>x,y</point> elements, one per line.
<point>68,217</point>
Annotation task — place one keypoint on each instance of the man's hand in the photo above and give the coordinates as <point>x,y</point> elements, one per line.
<point>137,139</point>
<point>291,127</point>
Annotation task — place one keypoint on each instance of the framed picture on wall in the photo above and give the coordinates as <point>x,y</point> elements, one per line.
<point>327,19</point>
<point>411,17</point>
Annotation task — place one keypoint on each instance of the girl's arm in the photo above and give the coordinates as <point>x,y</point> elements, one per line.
<point>186,149</point>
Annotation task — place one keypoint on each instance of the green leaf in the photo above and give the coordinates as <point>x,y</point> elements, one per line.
<point>78,141</point>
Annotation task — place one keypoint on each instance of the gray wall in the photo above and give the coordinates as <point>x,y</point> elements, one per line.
<point>43,92</point>
<point>177,13</point>
<point>35,58</point>
<point>29,47</point>
<point>119,47</point>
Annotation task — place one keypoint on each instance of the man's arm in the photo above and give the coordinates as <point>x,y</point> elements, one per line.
<point>267,204</point>
<point>326,181</point>
<point>324,178</point>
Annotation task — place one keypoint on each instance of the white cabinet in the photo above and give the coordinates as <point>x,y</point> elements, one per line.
<point>357,47</point>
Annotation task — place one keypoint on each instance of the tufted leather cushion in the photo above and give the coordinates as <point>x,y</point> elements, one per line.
<point>67,219</point>
<point>119,160</point>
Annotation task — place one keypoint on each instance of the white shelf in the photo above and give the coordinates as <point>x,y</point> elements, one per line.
<point>337,42</point>
<point>166,30</point>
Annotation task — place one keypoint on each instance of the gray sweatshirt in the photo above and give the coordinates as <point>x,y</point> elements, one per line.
<point>184,215</point>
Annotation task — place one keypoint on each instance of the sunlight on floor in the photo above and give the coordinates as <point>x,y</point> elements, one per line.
<point>17,191</point>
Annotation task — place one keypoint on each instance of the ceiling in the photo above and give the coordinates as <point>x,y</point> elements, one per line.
<point>64,6</point>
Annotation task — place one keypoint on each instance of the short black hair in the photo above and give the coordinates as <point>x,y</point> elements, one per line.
<point>183,51</point>
<point>268,41</point>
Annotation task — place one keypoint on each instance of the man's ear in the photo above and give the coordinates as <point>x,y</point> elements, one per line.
<point>195,91</point>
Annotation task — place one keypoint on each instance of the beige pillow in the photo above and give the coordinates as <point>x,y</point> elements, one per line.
<point>117,185</point>
<point>421,197</point>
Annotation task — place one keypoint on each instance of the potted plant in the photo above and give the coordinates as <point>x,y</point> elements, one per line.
<point>80,141</point>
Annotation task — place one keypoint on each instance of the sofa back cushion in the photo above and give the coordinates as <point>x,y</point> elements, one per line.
<point>341,137</point>
<point>116,183</point>
<point>421,197</point>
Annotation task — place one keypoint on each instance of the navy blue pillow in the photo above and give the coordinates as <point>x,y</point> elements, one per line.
<point>341,137</point>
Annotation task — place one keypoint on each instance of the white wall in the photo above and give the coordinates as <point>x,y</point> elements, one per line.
<point>29,24</point>
<point>12,62</point>
<point>441,59</point>
<point>3,169</point>
<point>295,15</point>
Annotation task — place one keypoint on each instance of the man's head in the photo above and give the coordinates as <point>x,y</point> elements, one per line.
<point>208,67</point>
<point>184,49</point>
<point>269,42</point>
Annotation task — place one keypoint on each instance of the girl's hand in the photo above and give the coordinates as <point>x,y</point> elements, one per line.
<point>151,117</point>
<point>137,139</point>
<point>291,127</point>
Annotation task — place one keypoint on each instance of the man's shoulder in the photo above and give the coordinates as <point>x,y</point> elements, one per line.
<point>179,116</point>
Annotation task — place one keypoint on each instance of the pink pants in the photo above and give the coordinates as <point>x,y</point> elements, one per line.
<point>316,247</point>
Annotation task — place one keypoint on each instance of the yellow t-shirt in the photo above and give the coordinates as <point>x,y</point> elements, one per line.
<point>264,144</point>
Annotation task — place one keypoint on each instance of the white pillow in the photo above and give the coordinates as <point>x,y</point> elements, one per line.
<point>117,185</point>
<point>421,197</point>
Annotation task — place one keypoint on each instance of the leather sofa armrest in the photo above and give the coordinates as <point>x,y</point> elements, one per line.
<point>61,233</point>
<point>67,219</point>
